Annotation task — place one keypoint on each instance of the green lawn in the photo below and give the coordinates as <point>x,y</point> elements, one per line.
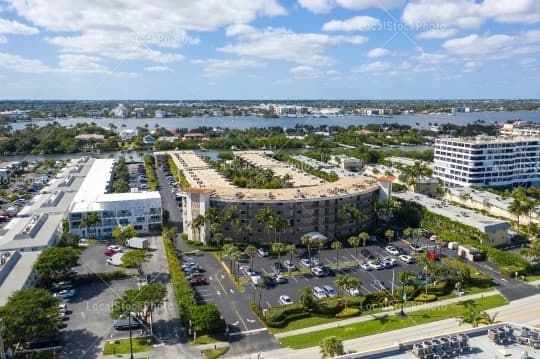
<point>122,346</point>
<point>215,353</point>
<point>388,323</point>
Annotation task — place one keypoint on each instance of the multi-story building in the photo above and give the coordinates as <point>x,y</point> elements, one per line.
<point>487,161</point>
<point>142,210</point>
<point>521,128</point>
<point>309,205</point>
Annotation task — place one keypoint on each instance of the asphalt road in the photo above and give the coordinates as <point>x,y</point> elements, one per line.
<point>89,318</point>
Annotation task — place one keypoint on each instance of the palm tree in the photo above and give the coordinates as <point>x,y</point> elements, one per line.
<point>337,246</point>
<point>354,241</point>
<point>197,223</point>
<point>265,216</point>
<point>305,297</point>
<point>517,209</point>
<point>488,319</point>
<point>331,347</point>
<point>278,248</point>
<point>470,315</point>
<point>306,240</point>
<point>91,220</point>
<point>389,234</point>
<point>533,251</point>
<point>407,232</point>
<point>529,206</point>
<point>236,256</point>
<point>251,251</point>
<point>364,236</point>
<point>291,249</point>
<point>404,278</point>
<point>344,282</point>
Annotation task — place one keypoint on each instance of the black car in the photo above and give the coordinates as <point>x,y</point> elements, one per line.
<point>329,272</point>
<point>365,253</point>
<point>269,282</point>
<point>127,323</point>
<point>278,267</point>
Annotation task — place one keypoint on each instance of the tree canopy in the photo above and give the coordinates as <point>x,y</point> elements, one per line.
<point>123,234</point>
<point>54,263</point>
<point>139,300</point>
<point>135,258</point>
<point>29,314</point>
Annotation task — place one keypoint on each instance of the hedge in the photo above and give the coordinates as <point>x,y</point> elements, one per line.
<point>178,175</point>
<point>330,177</point>
<point>423,297</point>
<point>150,173</point>
<point>348,312</point>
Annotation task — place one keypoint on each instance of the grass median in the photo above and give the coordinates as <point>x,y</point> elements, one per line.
<point>122,346</point>
<point>391,322</point>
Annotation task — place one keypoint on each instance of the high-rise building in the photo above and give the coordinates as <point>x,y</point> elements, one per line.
<point>487,161</point>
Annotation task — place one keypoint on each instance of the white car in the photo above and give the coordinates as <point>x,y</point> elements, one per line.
<point>319,293</point>
<point>117,249</point>
<point>62,307</point>
<point>391,261</point>
<point>317,271</point>
<point>392,250</point>
<point>67,293</point>
<point>248,271</point>
<point>330,291</point>
<point>376,265</point>
<point>285,300</point>
<point>416,247</point>
<point>256,279</point>
<point>352,291</point>
<point>289,266</point>
<point>407,259</point>
<point>262,252</point>
<point>305,262</point>
<point>366,266</point>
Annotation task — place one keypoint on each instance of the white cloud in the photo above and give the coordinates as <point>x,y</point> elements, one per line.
<point>158,68</point>
<point>437,34</point>
<point>16,28</point>
<point>221,67</point>
<point>471,66</point>
<point>283,44</point>
<point>374,67</point>
<point>305,72</point>
<point>137,29</point>
<point>323,6</point>
<point>317,6</point>
<point>239,29</point>
<point>70,64</point>
<point>476,45</point>
<point>332,72</point>
<point>357,23</point>
<point>470,13</point>
<point>429,58</point>
<point>21,64</point>
<point>379,52</point>
<point>3,39</point>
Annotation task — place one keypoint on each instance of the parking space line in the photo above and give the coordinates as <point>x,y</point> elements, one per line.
<point>242,320</point>
<point>221,285</point>
<point>264,270</point>
<point>268,304</point>
<point>294,277</point>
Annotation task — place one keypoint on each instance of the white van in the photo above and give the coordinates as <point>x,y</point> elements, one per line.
<point>319,293</point>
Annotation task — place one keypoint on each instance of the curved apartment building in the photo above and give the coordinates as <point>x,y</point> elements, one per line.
<point>310,205</point>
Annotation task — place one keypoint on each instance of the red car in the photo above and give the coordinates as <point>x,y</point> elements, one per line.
<point>199,280</point>
<point>109,252</point>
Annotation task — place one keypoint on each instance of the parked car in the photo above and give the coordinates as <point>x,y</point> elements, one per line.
<point>66,293</point>
<point>289,266</point>
<point>329,272</point>
<point>285,300</point>
<point>263,252</point>
<point>248,271</point>
<point>190,265</point>
<point>376,265</point>
<point>132,322</point>
<point>365,253</point>
<point>366,266</point>
<point>62,308</point>
<point>116,249</point>
<point>305,262</point>
<point>319,293</point>
<point>269,281</point>
<point>278,267</point>
<point>317,272</point>
<point>407,259</point>
<point>416,247</point>
<point>392,261</point>
<point>330,291</point>
<point>280,279</point>
<point>62,285</point>
<point>392,250</point>
<point>109,252</point>
<point>197,280</point>
<point>352,291</point>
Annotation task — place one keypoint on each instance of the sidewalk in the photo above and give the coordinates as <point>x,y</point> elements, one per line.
<point>383,314</point>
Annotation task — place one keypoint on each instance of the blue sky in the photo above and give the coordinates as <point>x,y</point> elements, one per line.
<point>269,49</point>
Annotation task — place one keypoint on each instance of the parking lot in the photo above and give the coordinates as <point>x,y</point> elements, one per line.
<point>93,260</point>
<point>89,318</point>
<point>389,277</point>
<point>137,176</point>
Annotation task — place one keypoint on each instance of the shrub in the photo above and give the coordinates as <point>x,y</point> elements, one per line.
<point>348,312</point>
<point>150,173</point>
<point>328,307</point>
<point>423,297</point>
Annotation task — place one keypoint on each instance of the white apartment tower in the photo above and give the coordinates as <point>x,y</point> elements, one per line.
<point>488,161</point>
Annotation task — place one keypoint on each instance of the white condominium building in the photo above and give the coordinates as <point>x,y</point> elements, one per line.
<point>487,161</point>
<point>142,210</point>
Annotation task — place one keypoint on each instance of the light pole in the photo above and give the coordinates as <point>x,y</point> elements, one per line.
<point>130,336</point>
